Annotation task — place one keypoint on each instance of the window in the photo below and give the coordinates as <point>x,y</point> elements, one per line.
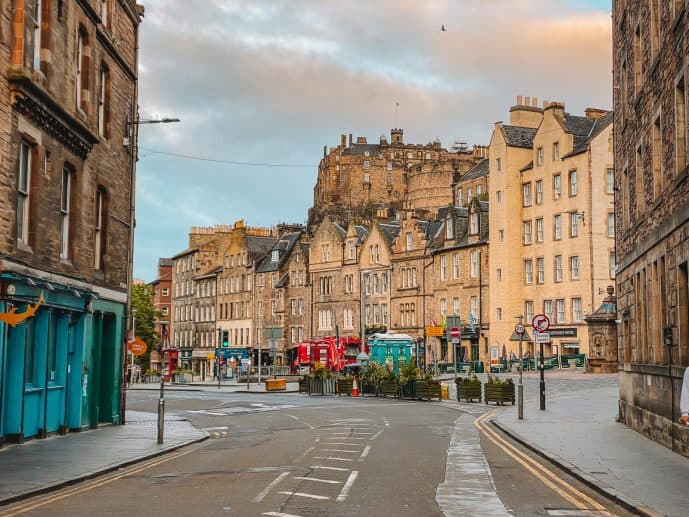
<point>539,192</point>
<point>275,255</point>
<point>539,229</point>
<point>573,224</point>
<point>104,102</point>
<point>105,12</point>
<point>573,184</point>
<point>501,235</point>
<point>376,284</point>
<point>455,265</point>
<point>560,316</point>
<point>640,198</point>
<point>680,127</point>
<point>557,186</point>
<point>443,267</point>
<point>377,254</point>
<point>455,306</point>
<point>556,151</point>
<point>528,271</point>
<point>610,181</point>
<point>37,40</point>
<point>348,318</point>
<point>376,314</point>
<point>389,166</point>
<point>498,164</point>
<point>474,263</point>
<point>384,313</point>
<point>557,227</point>
<point>539,156</point>
<point>528,310</point>
<point>611,224</point>
<point>527,232</point>
<point>557,267</point>
<point>526,194</point>
<point>499,274</point>
<point>474,223</point>
<point>459,197</point>
<point>498,196</point>
<point>548,309</point>
<point>351,250</point>
<point>468,195</point>
<point>410,241</point>
<point>479,190</point>
<point>657,154</point>
<point>655,27</point>
<point>82,72</point>
<point>577,313</point>
<point>413,277</point>
<point>165,291</point>
<point>449,229</point>
<point>23,192</point>
<point>325,252</point>
<point>499,313</point>
<point>612,262</point>
<point>100,231</point>
<point>473,304</point>
<point>65,210</point>
<point>443,306</point>
<point>574,267</point>
<point>367,164</point>
<point>540,270</point>
<point>637,60</point>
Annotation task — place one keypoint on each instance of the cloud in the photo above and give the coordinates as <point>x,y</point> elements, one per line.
<point>266,82</point>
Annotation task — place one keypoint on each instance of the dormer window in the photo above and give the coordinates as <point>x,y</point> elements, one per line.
<point>410,241</point>
<point>352,250</point>
<point>275,255</point>
<point>449,229</point>
<point>474,223</point>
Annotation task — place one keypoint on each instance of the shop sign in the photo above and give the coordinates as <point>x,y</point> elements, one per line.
<point>563,332</point>
<point>436,331</point>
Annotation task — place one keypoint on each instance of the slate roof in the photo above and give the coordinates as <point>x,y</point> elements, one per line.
<point>361,149</point>
<point>361,231</point>
<point>284,247</point>
<point>479,170</point>
<point>259,246</point>
<point>584,129</point>
<point>165,262</point>
<point>518,136</point>
<point>340,230</point>
<point>181,254</point>
<point>390,231</point>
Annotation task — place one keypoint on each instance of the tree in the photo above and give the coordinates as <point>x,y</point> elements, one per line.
<point>142,303</point>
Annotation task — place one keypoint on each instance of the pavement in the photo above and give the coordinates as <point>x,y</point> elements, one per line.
<point>41,465</point>
<point>225,386</point>
<point>579,432</point>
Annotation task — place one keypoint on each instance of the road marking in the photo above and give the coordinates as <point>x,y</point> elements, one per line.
<point>329,468</point>
<point>310,496</point>
<point>219,428</point>
<point>375,435</point>
<point>280,514</point>
<point>564,489</point>
<point>300,420</point>
<point>347,486</point>
<point>347,437</point>
<point>578,513</point>
<point>205,412</point>
<point>338,450</point>
<point>360,433</point>
<point>387,424</point>
<point>305,478</point>
<point>345,443</point>
<point>332,458</point>
<point>267,489</point>
<point>367,449</point>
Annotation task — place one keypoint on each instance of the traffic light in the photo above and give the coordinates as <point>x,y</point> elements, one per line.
<point>225,338</point>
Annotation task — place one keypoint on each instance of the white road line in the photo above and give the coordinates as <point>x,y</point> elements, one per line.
<point>376,435</point>
<point>362,433</point>
<point>302,494</point>
<point>332,458</point>
<point>219,428</point>
<point>300,420</point>
<point>323,467</point>
<point>338,450</point>
<point>280,514</point>
<point>345,443</point>
<point>267,489</point>
<point>367,449</point>
<point>387,424</point>
<point>318,480</point>
<point>347,486</point>
<point>346,437</point>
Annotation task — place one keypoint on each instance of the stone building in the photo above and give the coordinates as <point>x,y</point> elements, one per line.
<point>472,184</point>
<point>552,246</point>
<point>182,324</point>
<point>459,270</point>
<point>297,293</point>
<point>204,330</point>
<point>162,304</point>
<point>356,177</point>
<point>650,49</point>
<point>67,91</point>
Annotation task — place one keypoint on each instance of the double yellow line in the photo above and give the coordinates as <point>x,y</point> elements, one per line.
<point>46,499</point>
<point>577,498</point>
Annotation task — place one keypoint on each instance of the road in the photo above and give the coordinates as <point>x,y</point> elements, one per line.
<point>294,455</point>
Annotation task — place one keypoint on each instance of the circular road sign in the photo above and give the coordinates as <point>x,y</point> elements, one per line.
<point>137,346</point>
<point>540,323</point>
<point>455,333</point>
<point>519,329</point>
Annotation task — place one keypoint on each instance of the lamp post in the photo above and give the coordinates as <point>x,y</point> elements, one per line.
<point>131,354</point>
<point>217,355</point>
<point>161,399</point>
<point>519,329</point>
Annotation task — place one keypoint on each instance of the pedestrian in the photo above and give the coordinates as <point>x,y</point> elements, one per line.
<point>684,399</point>
<point>512,356</point>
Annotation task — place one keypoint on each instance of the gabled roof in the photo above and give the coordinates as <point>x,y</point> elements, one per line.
<point>340,230</point>
<point>360,149</point>
<point>584,129</point>
<point>259,246</point>
<point>361,231</point>
<point>479,170</point>
<point>284,247</point>
<point>517,136</point>
<point>389,232</point>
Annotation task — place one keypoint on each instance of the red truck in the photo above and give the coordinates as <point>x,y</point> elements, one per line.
<point>325,350</point>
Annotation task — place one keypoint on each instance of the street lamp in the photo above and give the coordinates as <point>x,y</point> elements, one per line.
<point>519,329</point>
<point>161,400</point>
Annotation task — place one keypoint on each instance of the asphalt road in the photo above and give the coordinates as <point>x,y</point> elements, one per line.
<point>293,455</point>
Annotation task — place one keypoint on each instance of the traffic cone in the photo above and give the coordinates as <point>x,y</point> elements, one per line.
<point>355,388</point>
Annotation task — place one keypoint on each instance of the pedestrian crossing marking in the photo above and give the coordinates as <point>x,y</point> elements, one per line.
<point>310,496</point>
<point>305,478</point>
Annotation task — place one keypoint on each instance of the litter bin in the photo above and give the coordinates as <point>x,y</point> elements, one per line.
<point>478,366</point>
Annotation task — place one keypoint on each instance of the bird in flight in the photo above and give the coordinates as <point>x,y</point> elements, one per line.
<point>442,28</point>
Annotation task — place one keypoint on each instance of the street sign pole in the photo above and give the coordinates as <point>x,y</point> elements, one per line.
<point>519,329</point>
<point>541,325</point>
<point>542,383</point>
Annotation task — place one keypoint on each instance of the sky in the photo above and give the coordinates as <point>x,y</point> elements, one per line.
<point>272,82</point>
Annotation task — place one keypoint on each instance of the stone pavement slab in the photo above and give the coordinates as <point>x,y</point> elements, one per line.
<point>40,465</point>
<point>579,431</point>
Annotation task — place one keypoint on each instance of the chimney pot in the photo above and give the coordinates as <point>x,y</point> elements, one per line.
<point>534,102</point>
<point>519,100</point>
<point>350,140</point>
<point>527,101</point>
<point>343,140</point>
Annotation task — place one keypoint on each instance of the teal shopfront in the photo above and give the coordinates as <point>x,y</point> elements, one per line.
<point>60,370</point>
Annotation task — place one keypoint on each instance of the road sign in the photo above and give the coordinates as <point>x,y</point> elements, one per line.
<point>455,332</point>
<point>542,337</point>
<point>137,347</point>
<point>540,323</point>
<point>519,328</point>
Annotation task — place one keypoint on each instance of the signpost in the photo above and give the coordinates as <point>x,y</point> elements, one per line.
<point>541,324</point>
<point>519,329</point>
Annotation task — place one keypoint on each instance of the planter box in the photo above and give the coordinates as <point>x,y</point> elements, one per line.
<point>321,386</point>
<point>304,384</point>
<point>408,390</point>
<point>389,388</point>
<point>470,391</point>
<point>276,384</point>
<point>344,386</point>
<point>428,390</point>
<point>499,393</point>
<point>368,388</point>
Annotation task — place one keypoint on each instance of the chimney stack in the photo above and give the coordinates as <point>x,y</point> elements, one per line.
<point>350,140</point>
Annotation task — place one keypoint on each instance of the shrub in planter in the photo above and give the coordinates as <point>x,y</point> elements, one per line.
<point>372,377</point>
<point>389,387</point>
<point>345,385</point>
<point>468,388</point>
<point>498,390</point>
<point>304,384</point>
<point>428,390</point>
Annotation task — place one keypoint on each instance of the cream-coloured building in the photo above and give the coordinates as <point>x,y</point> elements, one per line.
<point>551,184</point>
